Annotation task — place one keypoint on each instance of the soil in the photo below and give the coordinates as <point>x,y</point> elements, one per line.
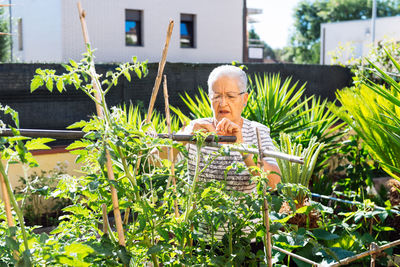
<point>301,219</point>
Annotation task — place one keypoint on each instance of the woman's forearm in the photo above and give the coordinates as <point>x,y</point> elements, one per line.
<point>274,176</point>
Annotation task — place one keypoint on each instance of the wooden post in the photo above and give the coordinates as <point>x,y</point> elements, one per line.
<point>366,253</point>
<point>170,149</point>
<point>373,247</point>
<point>6,200</point>
<point>160,71</point>
<point>267,236</point>
<point>100,113</point>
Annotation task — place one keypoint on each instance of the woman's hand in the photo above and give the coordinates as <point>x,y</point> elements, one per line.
<point>227,127</point>
<point>206,127</point>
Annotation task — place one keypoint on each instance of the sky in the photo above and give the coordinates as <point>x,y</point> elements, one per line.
<point>275,22</point>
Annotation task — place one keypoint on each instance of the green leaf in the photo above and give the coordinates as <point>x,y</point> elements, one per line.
<point>324,235</point>
<point>38,143</point>
<point>73,63</point>
<point>69,261</point>
<point>138,72</point>
<point>77,144</point>
<point>127,75</point>
<point>78,248</point>
<point>154,249</point>
<point>36,82</point>
<point>60,85</point>
<point>79,124</point>
<point>49,84</point>
<point>11,243</point>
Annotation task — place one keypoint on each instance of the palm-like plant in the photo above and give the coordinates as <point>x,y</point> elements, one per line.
<point>322,122</point>
<point>293,173</point>
<point>200,106</point>
<point>373,111</point>
<point>276,104</point>
<point>136,118</point>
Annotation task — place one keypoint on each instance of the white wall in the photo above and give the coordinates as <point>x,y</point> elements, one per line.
<point>41,20</point>
<point>218,30</point>
<point>355,36</point>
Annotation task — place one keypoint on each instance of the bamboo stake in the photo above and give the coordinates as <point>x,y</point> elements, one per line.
<point>6,200</point>
<point>7,206</point>
<point>373,246</point>
<point>160,71</point>
<point>267,236</point>
<point>296,256</point>
<point>366,253</point>
<point>267,153</point>
<point>100,113</point>
<point>170,149</point>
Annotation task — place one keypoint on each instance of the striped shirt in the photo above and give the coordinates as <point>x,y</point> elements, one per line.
<point>216,170</point>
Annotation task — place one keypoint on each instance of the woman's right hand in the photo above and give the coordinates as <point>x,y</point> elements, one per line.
<point>206,127</point>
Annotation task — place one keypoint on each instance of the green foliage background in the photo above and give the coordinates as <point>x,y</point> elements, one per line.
<point>305,40</point>
<point>4,39</point>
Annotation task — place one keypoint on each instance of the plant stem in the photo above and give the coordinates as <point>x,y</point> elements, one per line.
<point>230,239</point>
<point>195,178</point>
<point>15,206</point>
<point>128,173</point>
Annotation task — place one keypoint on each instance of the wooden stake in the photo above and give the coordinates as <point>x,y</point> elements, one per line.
<point>313,263</point>
<point>7,207</point>
<point>100,113</point>
<point>6,200</point>
<point>366,253</point>
<point>373,247</point>
<point>170,149</point>
<point>160,71</point>
<point>267,236</point>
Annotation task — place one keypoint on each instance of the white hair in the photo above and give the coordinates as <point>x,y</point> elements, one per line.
<point>230,71</point>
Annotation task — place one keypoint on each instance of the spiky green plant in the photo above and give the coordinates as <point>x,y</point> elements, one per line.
<point>276,104</point>
<point>322,122</point>
<point>135,117</point>
<point>293,173</point>
<point>200,106</point>
<point>373,111</point>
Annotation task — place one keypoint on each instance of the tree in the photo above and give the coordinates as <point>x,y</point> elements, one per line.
<point>305,40</point>
<point>4,39</point>
<point>254,38</point>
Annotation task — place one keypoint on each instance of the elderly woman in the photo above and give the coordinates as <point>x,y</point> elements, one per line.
<point>227,89</point>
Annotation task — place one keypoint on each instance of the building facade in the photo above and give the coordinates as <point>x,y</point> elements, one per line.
<point>349,39</point>
<point>204,31</point>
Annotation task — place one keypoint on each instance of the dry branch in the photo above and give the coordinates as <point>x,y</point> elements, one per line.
<point>160,71</point>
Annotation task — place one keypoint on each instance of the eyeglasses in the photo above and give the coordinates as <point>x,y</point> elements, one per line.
<point>229,97</point>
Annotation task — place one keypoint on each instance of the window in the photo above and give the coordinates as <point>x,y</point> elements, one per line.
<point>133,27</point>
<point>187,31</point>
<point>20,43</point>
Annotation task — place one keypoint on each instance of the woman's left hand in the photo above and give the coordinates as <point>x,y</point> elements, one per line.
<point>227,127</point>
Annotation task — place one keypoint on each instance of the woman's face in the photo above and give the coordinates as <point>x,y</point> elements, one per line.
<point>227,100</point>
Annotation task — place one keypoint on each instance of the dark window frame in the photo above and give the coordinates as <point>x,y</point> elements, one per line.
<point>189,21</point>
<point>136,16</point>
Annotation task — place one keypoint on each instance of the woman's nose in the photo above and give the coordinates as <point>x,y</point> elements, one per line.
<point>223,100</point>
